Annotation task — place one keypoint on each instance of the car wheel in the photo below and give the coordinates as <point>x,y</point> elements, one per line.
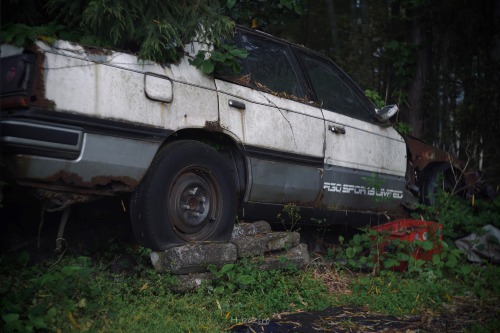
<point>188,195</point>
<point>442,177</point>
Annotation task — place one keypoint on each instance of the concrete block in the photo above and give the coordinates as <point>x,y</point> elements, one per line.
<point>194,258</point>
<point>259,244</point>
<point>251,229</point>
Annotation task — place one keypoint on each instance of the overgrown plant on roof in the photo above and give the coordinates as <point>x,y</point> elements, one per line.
<point>154,30</point>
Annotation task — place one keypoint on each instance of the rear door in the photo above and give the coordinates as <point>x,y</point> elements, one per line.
<point>266,108</point>
<point>365,163</point>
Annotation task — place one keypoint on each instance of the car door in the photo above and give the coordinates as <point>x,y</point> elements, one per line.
<point>365,162</point>
<point>265,107</point>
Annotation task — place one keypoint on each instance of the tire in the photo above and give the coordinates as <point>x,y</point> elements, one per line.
<point>445,177</point>
<point>187,195</point>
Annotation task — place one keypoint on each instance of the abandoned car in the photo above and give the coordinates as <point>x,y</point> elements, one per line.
<point>193,151</point>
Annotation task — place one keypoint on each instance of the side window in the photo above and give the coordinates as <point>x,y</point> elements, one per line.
<point>334,93</point>
<point>268,67</point>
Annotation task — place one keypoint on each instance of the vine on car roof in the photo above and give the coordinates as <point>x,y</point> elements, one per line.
<point>154,30</point>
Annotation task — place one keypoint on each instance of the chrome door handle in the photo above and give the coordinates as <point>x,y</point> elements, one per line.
<point>236,104</point>
<point>336,129</point>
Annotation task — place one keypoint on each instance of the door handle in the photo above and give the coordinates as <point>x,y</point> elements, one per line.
<point>336,129</point>
<point>236,104</point>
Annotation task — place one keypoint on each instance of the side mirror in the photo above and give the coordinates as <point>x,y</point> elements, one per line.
<point>387,112</point>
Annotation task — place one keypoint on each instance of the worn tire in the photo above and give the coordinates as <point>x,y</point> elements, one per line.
<point>442,176</point>
<point>187,195</point>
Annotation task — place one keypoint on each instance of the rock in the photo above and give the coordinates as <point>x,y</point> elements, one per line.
<point>297,256</point>
<point>194,258</point>
<point>251,229</point>
<point>249,246</point>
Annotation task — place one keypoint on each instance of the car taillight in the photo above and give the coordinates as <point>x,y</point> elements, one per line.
<point>16,78</point>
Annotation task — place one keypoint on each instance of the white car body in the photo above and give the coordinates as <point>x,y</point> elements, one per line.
<point>106,115</point>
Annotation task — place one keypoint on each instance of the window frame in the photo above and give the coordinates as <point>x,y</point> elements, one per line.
<point>355,88</point>
<point>294,62</point>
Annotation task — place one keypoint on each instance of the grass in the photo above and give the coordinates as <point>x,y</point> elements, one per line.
<point>118,290</point>
<point>76,294</point>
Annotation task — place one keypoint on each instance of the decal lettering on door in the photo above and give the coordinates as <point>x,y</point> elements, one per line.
<point>363,190</point>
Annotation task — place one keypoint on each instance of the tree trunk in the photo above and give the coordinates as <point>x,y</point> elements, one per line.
<point>416,93</point>
<point>335,47</point>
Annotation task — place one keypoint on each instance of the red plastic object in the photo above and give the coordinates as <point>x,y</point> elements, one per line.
<point>411,230</point>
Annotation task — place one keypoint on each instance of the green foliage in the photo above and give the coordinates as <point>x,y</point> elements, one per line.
<point>20,34</point>
<point>75,294</point>
<point>375,97</point>
<point>460,217</point>
<point>375,183</point>
<point>273,290</point>
<point>259,13</point>
<point>155,30</point>
<point>292,217</point>
<point>400,283</point>
<point>404,56</point>
<point>378,253</point>
<point>245,276</point>
<point>399,295</point>
<point>403,128</point>
<point>232,277</point>
<point>35,301</point>
<point>225,56</point>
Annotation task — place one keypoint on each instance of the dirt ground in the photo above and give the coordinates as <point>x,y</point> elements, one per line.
<point>462,314</point>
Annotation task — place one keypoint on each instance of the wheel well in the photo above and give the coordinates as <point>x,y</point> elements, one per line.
<point>432,170</point>
<point>429,169</point>
<point>224,144</point>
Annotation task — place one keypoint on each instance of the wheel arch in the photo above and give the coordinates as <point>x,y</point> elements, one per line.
<point>229,147</point>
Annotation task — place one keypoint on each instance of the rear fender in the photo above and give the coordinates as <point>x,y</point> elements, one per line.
<point>423,158</point>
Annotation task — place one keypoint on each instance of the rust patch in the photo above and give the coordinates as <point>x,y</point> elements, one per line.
<point>423,154</point>
<point>213,126</point>
<point>96,50</point>
<point>56,200</point>
<point>37,97</point>
<point>319,199</point>
<point>244,79</point>
<point>112,183</point>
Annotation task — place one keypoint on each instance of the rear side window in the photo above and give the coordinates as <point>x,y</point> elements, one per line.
<point>332,88</point>
<point>268,67</point>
